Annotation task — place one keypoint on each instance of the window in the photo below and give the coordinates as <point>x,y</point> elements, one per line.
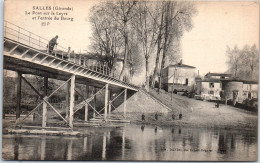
<point>249,95</point>
<point>211,85</point>
<point>211,92</point>
<point>187,81</point>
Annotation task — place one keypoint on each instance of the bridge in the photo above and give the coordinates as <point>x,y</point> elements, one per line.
<point>28,53</point>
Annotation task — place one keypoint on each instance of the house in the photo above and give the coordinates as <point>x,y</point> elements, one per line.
<point>250,89</point>
<point>178,77</point>
<point>209,89</point>
<point>216,86</point>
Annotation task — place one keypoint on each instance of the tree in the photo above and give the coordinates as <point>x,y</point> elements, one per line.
<point>243,64</point>
<point>253,62</point>
<point>159,22</point>
<point>106,39</point>
<point>146,33</point>
<point>135,60</point>
<point>250,62</point>
<point>176,17</point>
<point>234,60</point>
<point>121,13</point>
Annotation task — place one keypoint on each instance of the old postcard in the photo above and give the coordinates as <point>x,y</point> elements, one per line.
<point>130,80</point>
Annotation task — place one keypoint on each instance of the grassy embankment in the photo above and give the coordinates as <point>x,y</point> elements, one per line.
<point>199,113</point>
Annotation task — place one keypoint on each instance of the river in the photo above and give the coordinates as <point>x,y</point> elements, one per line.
<point>136,142</point>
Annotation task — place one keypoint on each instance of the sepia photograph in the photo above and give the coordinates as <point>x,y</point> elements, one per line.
<point>130,80</point>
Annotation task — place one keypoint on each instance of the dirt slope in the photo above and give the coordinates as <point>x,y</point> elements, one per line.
<point>195,112</point>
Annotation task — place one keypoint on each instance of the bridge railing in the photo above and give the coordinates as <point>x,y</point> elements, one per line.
<point>28,38</point>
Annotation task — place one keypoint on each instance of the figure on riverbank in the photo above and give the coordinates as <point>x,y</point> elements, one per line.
<point>142,127</point>
<point>173,116</point>
<point>143,117</point>
<point>52,43</point>
<point>156,116</point>
<point>217,105</point>
<point>180,116</point>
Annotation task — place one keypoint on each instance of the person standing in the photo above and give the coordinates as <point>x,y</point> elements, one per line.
<point>52,43</point>
<point>143,117</point>
<point>156,116</point>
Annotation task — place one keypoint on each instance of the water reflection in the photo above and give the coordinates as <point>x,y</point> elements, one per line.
<point>43,144</point>
<point>104,147</point>
<point>17,141</point>
<point>69,150</point>
<point>131,143</point>
<point>142,127</point>
<point>123,145</point>
<point>179,131</point>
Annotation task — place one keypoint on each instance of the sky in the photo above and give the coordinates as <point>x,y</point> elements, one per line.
<point>216,26</point>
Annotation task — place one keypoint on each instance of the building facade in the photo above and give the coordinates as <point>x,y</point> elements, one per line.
<point>178,77</point>
<point>209,89</point>
<point>216,86</point>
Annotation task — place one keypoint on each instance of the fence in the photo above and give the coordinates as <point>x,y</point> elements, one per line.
<point>30,39</point>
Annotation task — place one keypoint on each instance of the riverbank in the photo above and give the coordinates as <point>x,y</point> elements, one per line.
<point>196,113</point>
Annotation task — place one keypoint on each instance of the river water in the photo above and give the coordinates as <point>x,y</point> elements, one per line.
<point>136,142</point>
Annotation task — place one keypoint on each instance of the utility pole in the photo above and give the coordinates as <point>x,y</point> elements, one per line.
<point>173,77</point>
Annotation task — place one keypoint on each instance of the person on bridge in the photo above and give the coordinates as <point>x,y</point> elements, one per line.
<point>52,43</point>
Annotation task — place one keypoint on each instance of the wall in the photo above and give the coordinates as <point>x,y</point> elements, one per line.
<point>230,86</point>
<point>182,73</point>
<point>250,88</point>
<point>205,88</point>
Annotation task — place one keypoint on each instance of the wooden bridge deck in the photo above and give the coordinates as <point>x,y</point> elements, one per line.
<point>28,60</point>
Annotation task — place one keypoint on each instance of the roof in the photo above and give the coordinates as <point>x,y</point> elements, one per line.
<point>210,80</point>
<point>249,82</point>
<point>180,65</point>
<point>227,80</point>
<point>218,74</point>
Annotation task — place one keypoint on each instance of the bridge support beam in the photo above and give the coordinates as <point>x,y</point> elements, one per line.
<point>67,100</point>
<point>125,97</point>
<point>109,103</point>
<point>72,97</point>
<point>18,101</point>
<point>44,105</point>
<point>106,102</point>
<point>86,105</point>
<point>95,100</point>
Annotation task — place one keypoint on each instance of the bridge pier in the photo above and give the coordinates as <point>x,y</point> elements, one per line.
<point>86,105</point>
<point>44,105</point>
<point>106,102</point>
<point>95,100</point>
<point>109,103</point>
<point>18,101</point>
<point>72,97</point>
<point>125,97</point>
<point>67,100</point>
